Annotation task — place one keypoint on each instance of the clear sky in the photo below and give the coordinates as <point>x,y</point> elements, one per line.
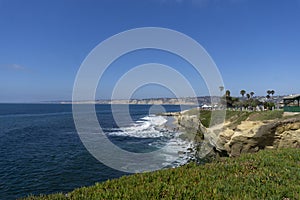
<point>254,43</point>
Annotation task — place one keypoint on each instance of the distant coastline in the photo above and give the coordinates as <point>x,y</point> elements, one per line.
<point>162,101</point>
<point>150,101</point>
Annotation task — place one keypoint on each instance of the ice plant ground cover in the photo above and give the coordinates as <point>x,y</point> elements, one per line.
<point>268,174</point>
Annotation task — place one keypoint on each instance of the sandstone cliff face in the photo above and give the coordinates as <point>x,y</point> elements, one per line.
<point>252,136</point>
<point>230,139</point>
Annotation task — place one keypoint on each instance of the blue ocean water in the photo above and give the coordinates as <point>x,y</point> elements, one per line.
<point>40,150</point>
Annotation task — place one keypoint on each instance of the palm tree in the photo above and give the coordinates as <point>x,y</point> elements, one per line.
<point>269,92</point>
<point>227,93</point>
<point>272,92</point>
<point>242,92</point>
<point>248,96</point>
<point>252,93</point>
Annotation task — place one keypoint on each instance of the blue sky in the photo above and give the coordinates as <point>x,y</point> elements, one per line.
<point>254,43</point>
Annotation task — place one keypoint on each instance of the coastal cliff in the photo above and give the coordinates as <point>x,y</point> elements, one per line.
<point>240,132</point>
<point>270,174</point>
<point>252,136</point>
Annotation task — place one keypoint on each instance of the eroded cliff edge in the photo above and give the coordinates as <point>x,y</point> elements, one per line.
<point>240,132</point>
<point>252,136</point>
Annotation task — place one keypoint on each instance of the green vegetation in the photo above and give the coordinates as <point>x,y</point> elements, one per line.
<point>266,115</point>
<point>247,101</point>
<point>235,117</point>
<point>205,115</point>
<point>269,174</point>
<point>243,92</point>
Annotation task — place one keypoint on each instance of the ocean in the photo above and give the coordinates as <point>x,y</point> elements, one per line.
<point>41,151</point>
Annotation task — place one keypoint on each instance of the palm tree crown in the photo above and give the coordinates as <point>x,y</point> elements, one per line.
<point>272,92</point>
<point>227,93</point>
<point>243,92</point>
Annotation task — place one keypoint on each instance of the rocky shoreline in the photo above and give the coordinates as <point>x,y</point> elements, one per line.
<point>231,139</point>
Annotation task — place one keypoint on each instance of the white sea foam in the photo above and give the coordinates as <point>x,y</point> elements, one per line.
<point>155,120</point>
<point>176,151</point>
<point>146,127</point>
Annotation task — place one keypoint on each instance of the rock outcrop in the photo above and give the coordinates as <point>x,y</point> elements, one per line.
<point>252,136</point>
<point>232,139</point>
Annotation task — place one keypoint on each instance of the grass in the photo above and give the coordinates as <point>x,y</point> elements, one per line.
<point>266,115</point>
<point>269,174</point>
<point>206,115</point>
<point>235,117</point>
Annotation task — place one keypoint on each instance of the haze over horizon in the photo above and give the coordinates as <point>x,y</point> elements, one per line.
<point>255,44</point>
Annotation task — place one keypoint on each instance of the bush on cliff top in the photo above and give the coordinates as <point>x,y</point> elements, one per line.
<point>269,174</point>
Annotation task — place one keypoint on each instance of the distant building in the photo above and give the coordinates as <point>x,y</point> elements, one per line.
<point>291,103</point>
<point>206,107</point>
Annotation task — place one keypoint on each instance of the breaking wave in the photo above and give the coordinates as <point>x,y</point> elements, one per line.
<point>156,127</point>
<point>147,127</point>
